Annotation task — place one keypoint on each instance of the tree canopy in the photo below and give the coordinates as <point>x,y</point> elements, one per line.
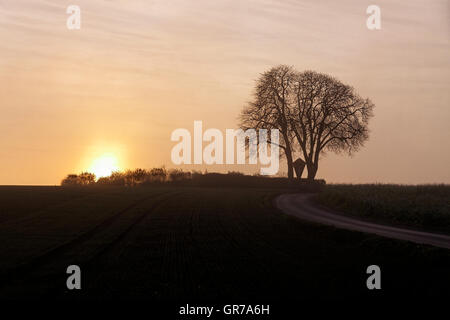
<point>314,112</point>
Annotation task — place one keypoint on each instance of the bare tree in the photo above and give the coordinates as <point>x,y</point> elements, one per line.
<point>314,112</point>
<point>270,109</point>
<point>327,115</point>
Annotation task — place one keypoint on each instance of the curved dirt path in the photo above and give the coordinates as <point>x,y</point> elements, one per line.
<point>302,206</point>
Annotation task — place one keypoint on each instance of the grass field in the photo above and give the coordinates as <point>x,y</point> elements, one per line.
<point>425,207</point>
<point>189,243</point>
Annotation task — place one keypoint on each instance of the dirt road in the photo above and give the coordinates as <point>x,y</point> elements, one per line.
<point>302,206</point>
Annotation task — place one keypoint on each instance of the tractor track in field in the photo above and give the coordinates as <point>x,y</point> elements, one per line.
<point>21,271</point>
<point>26,215</point>
<point>95,260</point>
<point>109,245</point>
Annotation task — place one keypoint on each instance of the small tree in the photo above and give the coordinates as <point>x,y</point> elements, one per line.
<point>158,175</point>
<point>86,178</point>
<point>70,180</point>
<point>117,178</point>
<point>83,179</point>
<point>179,175</point>
<point>139,176</point>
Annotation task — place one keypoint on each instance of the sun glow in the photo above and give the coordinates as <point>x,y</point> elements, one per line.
<point>104,165</point>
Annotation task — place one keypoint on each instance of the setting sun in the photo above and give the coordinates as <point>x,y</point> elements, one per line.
<point>104,165</point>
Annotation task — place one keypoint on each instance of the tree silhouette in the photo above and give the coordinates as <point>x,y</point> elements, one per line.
<point>86,178</point>
<point>82,179</point>
<point>270,108</point>
<point>70,180</point>
<point>158,175</point>
<point>327,115</point>
<point>313,111</point>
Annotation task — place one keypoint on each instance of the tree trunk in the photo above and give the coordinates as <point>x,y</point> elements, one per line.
<point>312,170</point>
<point>288,154</point>
<point>290,165</point>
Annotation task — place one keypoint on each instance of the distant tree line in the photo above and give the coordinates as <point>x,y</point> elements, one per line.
<point>136,177</point>
<point>161,176</point>
<point>129,177</point>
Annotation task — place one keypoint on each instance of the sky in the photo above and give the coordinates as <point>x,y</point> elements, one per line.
<point>137,70</point>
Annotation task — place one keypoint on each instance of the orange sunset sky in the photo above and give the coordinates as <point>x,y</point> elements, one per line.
<point>137,70</point>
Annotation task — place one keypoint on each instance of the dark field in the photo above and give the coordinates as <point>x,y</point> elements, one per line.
<point>196,244</point>
<point>426,207</point>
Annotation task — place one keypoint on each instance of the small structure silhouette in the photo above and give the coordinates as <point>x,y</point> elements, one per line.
<point>299,166</point>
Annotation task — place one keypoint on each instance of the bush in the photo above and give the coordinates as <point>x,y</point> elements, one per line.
<point>178,175</point>
<point>157,175</point>
<point>84,178</point>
